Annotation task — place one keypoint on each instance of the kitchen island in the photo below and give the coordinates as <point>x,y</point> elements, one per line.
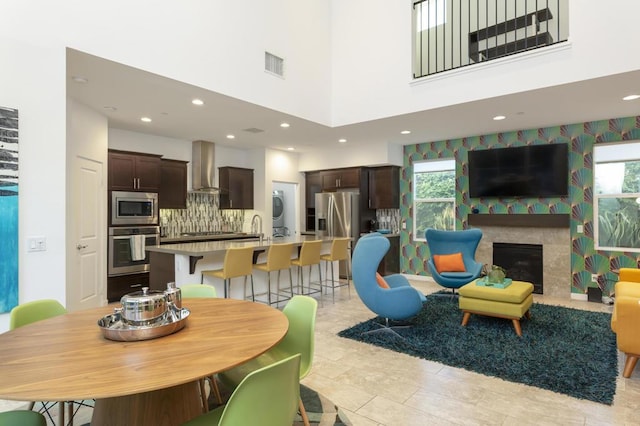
<point>182,263</point>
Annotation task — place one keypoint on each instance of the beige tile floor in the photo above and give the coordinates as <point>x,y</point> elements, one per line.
<point>375,386</point>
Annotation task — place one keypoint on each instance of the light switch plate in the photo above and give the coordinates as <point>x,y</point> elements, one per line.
<point>36,244</point>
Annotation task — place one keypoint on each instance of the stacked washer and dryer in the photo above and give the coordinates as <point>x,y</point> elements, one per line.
<point>279,228</point>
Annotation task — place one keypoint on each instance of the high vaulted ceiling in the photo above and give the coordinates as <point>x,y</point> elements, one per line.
<point>125,94</point>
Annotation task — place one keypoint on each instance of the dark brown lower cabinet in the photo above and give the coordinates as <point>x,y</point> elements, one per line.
<point>391,262</point>
<point>124,284</point>
<point>162,269</point>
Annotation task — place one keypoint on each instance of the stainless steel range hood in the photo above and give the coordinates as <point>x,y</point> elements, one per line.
<point>203,167</point>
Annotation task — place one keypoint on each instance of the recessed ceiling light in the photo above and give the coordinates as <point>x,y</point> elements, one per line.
<point>631,98</point>
<point>284,125</point>
<point>405,132</point>
<point>110,108</point>
<point>290,148</point>
<point>197,102</point>
<point>146,119</point>
<point>342,140</point>
<point>79,79</point>
<point>231,137</point>
<point>499,117</point>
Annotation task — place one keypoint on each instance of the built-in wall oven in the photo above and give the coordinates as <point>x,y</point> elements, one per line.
<point>134,208</point>
<point>126,254</point>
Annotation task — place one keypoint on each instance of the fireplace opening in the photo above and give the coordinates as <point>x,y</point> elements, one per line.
<point>522,262</point>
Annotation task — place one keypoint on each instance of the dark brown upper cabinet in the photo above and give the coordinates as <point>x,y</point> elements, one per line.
<point>236,188</point>
<point>173,184</point>
<point>384,187</point>
<point>132,171</point>
<point>333,180</point>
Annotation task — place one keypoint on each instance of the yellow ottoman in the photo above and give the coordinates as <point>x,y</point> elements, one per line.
<point>511,303</point>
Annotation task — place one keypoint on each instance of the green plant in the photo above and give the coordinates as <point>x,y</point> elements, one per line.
<point>619,228</point>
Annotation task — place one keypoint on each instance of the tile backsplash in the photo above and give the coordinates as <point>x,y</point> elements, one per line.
<point>388,219</point>
<point>202,214</point>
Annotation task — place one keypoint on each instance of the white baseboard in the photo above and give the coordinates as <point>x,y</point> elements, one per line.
<point>578,296</point>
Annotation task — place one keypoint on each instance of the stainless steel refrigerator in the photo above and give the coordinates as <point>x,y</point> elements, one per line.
<point>338,215</point>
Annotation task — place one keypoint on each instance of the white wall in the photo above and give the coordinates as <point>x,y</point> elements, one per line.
<point>32,80</point>
<point>170,148</point>
<point>345,61</point>
<point>217,45</point>
<point>371,59</point>
<point>349,156</point>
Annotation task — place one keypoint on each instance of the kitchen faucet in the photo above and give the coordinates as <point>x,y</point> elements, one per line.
<point>256,225</point>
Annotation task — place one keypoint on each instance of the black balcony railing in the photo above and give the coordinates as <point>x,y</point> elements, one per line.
<point>451,34</point>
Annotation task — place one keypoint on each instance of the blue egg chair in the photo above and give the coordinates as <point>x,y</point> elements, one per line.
<point>398,302</point>
<point>452,242</point>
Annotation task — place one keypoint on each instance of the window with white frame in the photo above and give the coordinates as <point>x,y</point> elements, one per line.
<point>430,14</point>
<point>434,196</point>
<point>616,187</point>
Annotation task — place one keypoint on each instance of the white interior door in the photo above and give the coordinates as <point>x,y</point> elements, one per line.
<point>86,233</point>
<point>85,287</point>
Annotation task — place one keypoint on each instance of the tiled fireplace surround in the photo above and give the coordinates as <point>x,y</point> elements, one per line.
<point>549,230</point>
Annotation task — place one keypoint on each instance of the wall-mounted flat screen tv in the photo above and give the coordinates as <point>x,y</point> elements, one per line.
<point>525,171</point>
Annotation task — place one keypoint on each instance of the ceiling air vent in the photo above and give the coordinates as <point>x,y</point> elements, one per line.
<point>273,64</point>
<point>253,130</point>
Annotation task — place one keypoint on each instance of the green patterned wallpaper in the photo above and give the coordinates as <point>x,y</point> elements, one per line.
<point>581,138</point>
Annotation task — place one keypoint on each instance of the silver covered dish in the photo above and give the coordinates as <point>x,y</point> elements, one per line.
<point>114,328</point>
<point>143,307</point>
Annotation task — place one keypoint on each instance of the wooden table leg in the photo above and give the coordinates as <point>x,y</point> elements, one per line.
<point>465,318</point>
<point>171,406</point>
<point>516,325</point>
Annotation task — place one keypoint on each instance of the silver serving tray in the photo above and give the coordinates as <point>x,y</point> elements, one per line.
<point>113,328</point>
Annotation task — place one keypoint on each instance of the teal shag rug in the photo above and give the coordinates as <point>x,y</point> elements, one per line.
<point>564,350</point>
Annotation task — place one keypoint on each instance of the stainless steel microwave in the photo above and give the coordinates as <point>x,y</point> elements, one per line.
<point>134,208</point>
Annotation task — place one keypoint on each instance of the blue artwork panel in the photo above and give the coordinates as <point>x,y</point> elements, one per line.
<point>8,209</point>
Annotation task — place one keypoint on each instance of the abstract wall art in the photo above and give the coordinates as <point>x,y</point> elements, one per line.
<point>8,208</point>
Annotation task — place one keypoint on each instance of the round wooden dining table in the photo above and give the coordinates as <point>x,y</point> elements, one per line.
<point>153,382</point>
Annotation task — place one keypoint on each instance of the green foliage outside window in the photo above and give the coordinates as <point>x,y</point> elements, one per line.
<point>617,188</point>
<point>434,196</point>
<point>440,184</point>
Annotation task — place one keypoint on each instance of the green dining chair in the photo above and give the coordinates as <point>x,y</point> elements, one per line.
<point>28,313</point>
<point>267,397</point>
<point>203,291</point>
<point>22,418</point>
<point>301,313</point>
<point>38,310</point>
<point>198,290</point>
